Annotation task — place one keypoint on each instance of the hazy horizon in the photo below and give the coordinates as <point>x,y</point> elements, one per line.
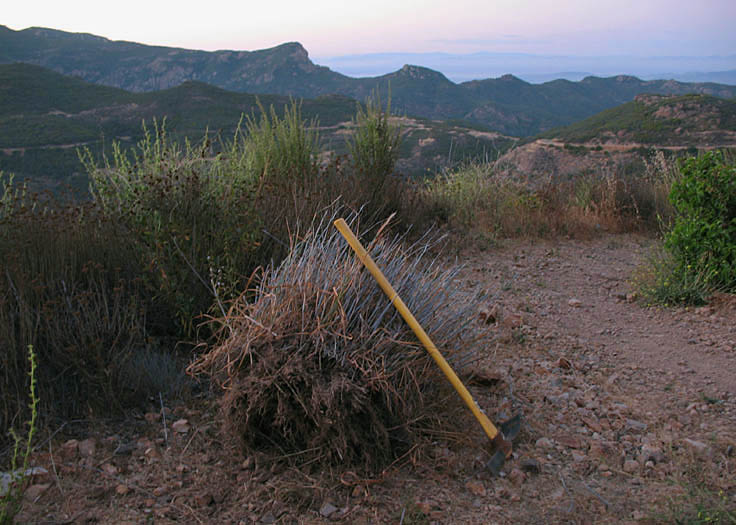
<point>337,28</point>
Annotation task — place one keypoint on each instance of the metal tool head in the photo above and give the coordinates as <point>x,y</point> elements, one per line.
<point>502,448</point>
<point>511,427</point>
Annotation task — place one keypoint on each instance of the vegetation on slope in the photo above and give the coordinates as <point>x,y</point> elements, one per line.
<point>654,120</point>
<point>45,117</point>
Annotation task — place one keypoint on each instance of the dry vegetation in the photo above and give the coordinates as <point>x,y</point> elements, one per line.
<point>185,258</point>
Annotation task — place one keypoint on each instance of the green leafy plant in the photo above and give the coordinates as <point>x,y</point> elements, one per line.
<point>11,502</point>
<point>374,149</point>
<point>703,237</point>
<point>189,213</point>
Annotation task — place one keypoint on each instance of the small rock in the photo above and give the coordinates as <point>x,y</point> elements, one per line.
<point>517,477</point>
<point>327,509</point>
<point>125,449</point>
<point>152,453</point>
<point>423,506</point>
<point>530,465</point>
<point>575,303</point>
<point>205,499</point>
<point>570,441</point>
<point>122,490</point>
<point>512,321</point>
<point>544,443</point>
<point>652,453</point>
<point>34,492</point>
<point>697,446</point>
<point>181,426</point>
<point>268,517</point>
<point>633,424</point>
<point>110,469</point>
<point>70,449</point>
<point>564,363</point>
<point>577,456</point>
<point>476,487</point>
<point>160,491</point>
<point>631,466</point>
<point>87,448</point>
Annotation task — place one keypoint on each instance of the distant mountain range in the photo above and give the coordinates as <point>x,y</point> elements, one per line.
<point>45,117</point>
<point>541,68</point>
<point>506,104</point>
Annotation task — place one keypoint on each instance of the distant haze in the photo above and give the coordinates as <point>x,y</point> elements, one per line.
<point>539,68</point>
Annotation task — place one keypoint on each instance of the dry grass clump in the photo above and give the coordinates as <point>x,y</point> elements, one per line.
<point>316,364</point>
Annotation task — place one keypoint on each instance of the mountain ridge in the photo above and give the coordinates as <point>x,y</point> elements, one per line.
<point>506,104</point>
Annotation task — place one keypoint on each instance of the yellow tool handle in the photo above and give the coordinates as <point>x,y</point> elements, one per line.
<point>354,243</point>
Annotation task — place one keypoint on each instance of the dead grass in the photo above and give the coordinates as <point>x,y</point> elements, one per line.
<point>315,364</point>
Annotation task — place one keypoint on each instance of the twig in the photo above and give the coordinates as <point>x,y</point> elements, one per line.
<point>600,498</point>
<point>53,467</point>
<point>188,443</point>
<point>569,494</point>
<point>403,511</point>
<point>163,419</point>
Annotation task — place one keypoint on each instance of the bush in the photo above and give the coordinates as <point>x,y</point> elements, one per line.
<point>703,237</point>
<point>190,215</point>
<point>319,365</point>
<point>69,288</point>
<point>374,149</point>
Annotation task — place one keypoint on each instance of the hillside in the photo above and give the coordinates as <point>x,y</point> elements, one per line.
<point>45,117</point>
<point>506,104</point>
<point>688,120</point>
<point>623,137</point>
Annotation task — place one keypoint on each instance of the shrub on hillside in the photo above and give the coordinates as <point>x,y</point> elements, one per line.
<point>315,363</point>
<point>69,288</point>
<point>703,237</point>
<point>189,214</point>
<point>374,150</point>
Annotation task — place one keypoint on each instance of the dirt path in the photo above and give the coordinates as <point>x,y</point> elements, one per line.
<point>580,290</point>
<point>630,417</point>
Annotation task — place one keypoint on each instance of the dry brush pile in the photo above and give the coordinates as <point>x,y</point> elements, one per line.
<point>314,363</point>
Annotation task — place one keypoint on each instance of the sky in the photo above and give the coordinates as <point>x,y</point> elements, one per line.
<point>329,28</point>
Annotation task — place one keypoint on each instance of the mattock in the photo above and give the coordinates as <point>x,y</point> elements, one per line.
<point>500,437</point>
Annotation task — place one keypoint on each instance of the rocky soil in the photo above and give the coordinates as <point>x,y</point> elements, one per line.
<point>629,417</point>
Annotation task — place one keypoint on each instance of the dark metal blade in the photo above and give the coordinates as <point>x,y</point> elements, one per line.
<point>495,464</point>
<point>511,427</point>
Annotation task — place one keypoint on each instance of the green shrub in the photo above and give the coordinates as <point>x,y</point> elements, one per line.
<point>661,280</point>
<point>282,149</point>
<point>703,237</point>
<point>374,149</point>
<point>190,215</point>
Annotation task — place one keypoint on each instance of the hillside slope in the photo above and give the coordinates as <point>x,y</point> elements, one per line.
<point>620,139</point>
<point>506,104</point>
<point>46,116</point>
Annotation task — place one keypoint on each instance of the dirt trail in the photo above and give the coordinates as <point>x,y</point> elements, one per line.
<point>694,345</point>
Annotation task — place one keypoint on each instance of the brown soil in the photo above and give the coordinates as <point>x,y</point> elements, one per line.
<point>611,392</point>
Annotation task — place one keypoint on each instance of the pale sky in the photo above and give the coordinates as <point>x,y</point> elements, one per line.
<point>340,27</point>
